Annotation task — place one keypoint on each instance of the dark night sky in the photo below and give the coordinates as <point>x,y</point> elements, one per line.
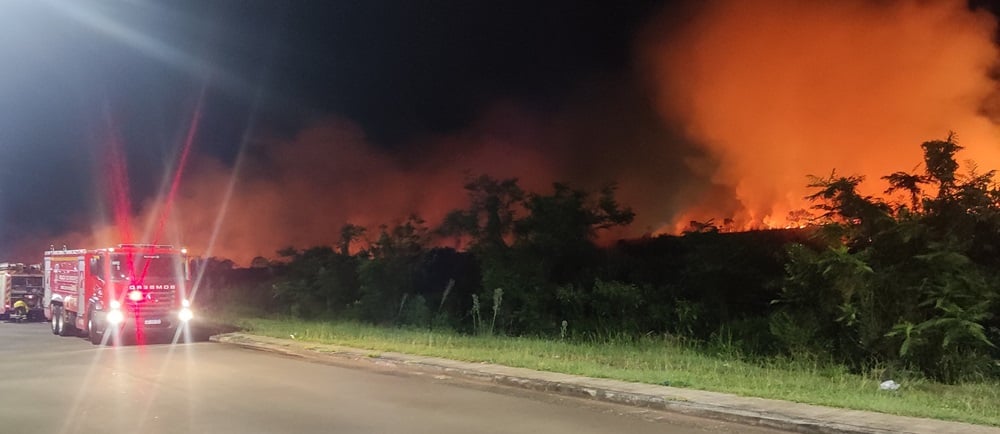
<point>402,70</point>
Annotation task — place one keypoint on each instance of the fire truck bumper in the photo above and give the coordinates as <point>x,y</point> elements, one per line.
<point>150,323</point>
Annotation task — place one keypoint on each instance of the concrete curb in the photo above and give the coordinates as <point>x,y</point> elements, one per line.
<point>771,413</point>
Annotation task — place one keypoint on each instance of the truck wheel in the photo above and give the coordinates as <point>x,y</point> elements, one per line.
<point>64,329</point>
<point>91,331</point>
<point>55,319</point>
<point>70,326</point>
<point>61,323</point>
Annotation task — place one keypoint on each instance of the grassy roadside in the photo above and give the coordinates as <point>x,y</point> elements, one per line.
<point>658,361</point>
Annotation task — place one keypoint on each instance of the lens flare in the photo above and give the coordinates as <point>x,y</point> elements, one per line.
<point>114,318</point>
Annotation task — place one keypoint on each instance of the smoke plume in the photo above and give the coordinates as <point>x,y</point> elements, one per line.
<point>780,89</point>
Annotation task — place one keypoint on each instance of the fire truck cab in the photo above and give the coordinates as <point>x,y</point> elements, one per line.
<point>105,293</point>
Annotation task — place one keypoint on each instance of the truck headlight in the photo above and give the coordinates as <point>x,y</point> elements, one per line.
<point>185,315</point>
<point>115,317</point>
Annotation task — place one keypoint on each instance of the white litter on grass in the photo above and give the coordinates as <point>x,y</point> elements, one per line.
<point>889,385</point>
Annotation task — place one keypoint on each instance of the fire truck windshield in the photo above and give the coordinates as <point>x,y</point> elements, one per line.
<point>140,266</point>
<point>26,281</point>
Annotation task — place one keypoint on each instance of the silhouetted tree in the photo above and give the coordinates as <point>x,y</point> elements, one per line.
<point>914,287</point>
<point>348,234</point>
<point>908,182</point>
<point>389,275</point>
<point>491,214</point>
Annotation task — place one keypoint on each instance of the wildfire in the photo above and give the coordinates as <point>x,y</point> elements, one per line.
<point>778,90</point>
<point>766,92</point>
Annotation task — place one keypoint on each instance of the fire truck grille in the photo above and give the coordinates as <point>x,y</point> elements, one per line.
<point>156,303</point>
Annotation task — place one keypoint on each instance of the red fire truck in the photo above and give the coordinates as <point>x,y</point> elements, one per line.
<point>105,293</point>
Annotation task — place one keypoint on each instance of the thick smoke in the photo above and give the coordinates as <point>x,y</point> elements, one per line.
<point>300,191</point>
<point>779,89</point>
<point>769,92</point>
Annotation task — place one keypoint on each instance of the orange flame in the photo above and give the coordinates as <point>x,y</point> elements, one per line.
<point>780,89</point>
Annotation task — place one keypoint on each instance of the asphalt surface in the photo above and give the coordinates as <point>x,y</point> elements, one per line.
<point>56,384</point>
<point>757,412</point>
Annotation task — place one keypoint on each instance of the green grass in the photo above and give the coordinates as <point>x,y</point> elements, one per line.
<point>661,361</point>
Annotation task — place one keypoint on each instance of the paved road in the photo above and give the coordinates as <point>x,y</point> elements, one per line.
<point>66,385</point>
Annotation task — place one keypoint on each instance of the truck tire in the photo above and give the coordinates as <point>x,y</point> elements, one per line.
<point>55,319</point>
<point>64,329</point>
<point>91,330</point>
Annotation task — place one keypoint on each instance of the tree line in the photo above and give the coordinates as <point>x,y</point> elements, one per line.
<point>909,284</point>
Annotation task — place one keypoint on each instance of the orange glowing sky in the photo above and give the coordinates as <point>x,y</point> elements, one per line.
<point>781,89</point>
